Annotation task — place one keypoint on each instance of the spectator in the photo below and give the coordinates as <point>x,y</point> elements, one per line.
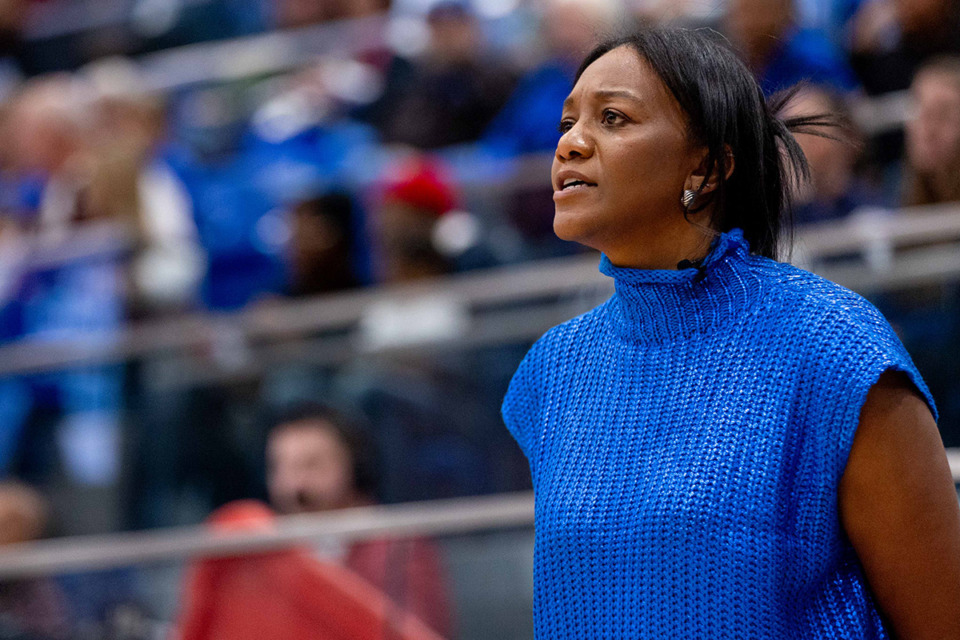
<point>933,134</point>
<point>834,189</point>
<point>320,461</point>
<point>97,146</point>
<point>301,141</point>
<point>284,594</point>
<point>528,122</point>
<point>779,51</point>
<point>32,608</point>
<point>890,39</point>
<point>831,17</point>
<point>298,146</point>
<point>45,123</point>
<point>452,92</point>
<point>927,317</point>
<point>76,411</point>
<point>321,247</point>
<point>134,185</point>
<point>415,197</point>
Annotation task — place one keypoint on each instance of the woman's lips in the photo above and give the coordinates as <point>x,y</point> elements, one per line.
<point>573,191</point>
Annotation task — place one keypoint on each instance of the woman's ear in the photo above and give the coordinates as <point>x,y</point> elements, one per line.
<point>698,177</point>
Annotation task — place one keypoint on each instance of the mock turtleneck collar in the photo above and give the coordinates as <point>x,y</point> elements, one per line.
<point>660,305</point>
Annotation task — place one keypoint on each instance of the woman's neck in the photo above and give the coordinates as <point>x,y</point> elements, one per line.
<point>664,249</point>
<point>655,306</point>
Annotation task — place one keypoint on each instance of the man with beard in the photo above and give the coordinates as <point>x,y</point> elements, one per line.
<point>318,460</point>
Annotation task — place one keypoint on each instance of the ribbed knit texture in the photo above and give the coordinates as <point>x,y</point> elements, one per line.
<point>686,439</point>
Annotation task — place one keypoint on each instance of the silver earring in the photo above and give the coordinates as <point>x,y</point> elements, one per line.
<point>689,195</point>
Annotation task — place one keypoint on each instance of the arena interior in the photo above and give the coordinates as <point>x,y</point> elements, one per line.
<point>268,266</point>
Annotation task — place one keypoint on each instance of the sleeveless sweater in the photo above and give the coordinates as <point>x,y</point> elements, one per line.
<point>686,440</point>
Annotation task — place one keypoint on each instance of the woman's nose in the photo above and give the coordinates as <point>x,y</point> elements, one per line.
<point>574,143</point>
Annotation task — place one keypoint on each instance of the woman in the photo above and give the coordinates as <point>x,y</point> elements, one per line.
<point>933,134</point>
<point>729,447</point>
<point>927,317</point>
<point>834,190</point>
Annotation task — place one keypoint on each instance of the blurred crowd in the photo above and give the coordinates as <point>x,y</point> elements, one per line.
<point>417,155</point>
<point>131,190</point>
<point>343,171</point>
<point>377,164</point>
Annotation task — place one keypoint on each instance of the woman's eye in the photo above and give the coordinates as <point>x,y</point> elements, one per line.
<point>564,126</point>
<point>612,117</point>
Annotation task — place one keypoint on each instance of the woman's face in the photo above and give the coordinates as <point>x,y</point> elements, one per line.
<point>623,160</point>
<point>933,133</point>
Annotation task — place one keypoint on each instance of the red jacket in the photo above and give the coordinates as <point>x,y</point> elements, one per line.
<point>292,595</point>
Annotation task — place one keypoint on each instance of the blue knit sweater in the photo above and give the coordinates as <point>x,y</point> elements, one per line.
<point>686,439</point>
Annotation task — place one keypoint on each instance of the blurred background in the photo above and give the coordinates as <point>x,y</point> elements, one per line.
<point>267,266</point>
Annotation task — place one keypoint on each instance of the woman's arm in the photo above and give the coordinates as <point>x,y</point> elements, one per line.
<point>899,507</point>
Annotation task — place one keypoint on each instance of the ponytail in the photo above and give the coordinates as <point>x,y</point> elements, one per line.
<point>794,167</point>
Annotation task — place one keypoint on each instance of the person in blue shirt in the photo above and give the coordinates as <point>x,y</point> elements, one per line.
<point>779,51</point>
<point>293,151</point>
<point>528,122</point>
<point>835,189</point>
<point>728,447</point>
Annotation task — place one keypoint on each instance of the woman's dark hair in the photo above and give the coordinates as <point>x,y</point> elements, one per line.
<point>359,445</point>
<point>726,110</point>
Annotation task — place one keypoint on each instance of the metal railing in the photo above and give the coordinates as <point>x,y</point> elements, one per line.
<point>892,250</point>
<point>219,61</point>
<point>434,518</point>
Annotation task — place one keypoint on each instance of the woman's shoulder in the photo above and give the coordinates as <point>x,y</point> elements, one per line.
<point>804,297</point>
<point>820,317</point>
<point>833,330</point>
